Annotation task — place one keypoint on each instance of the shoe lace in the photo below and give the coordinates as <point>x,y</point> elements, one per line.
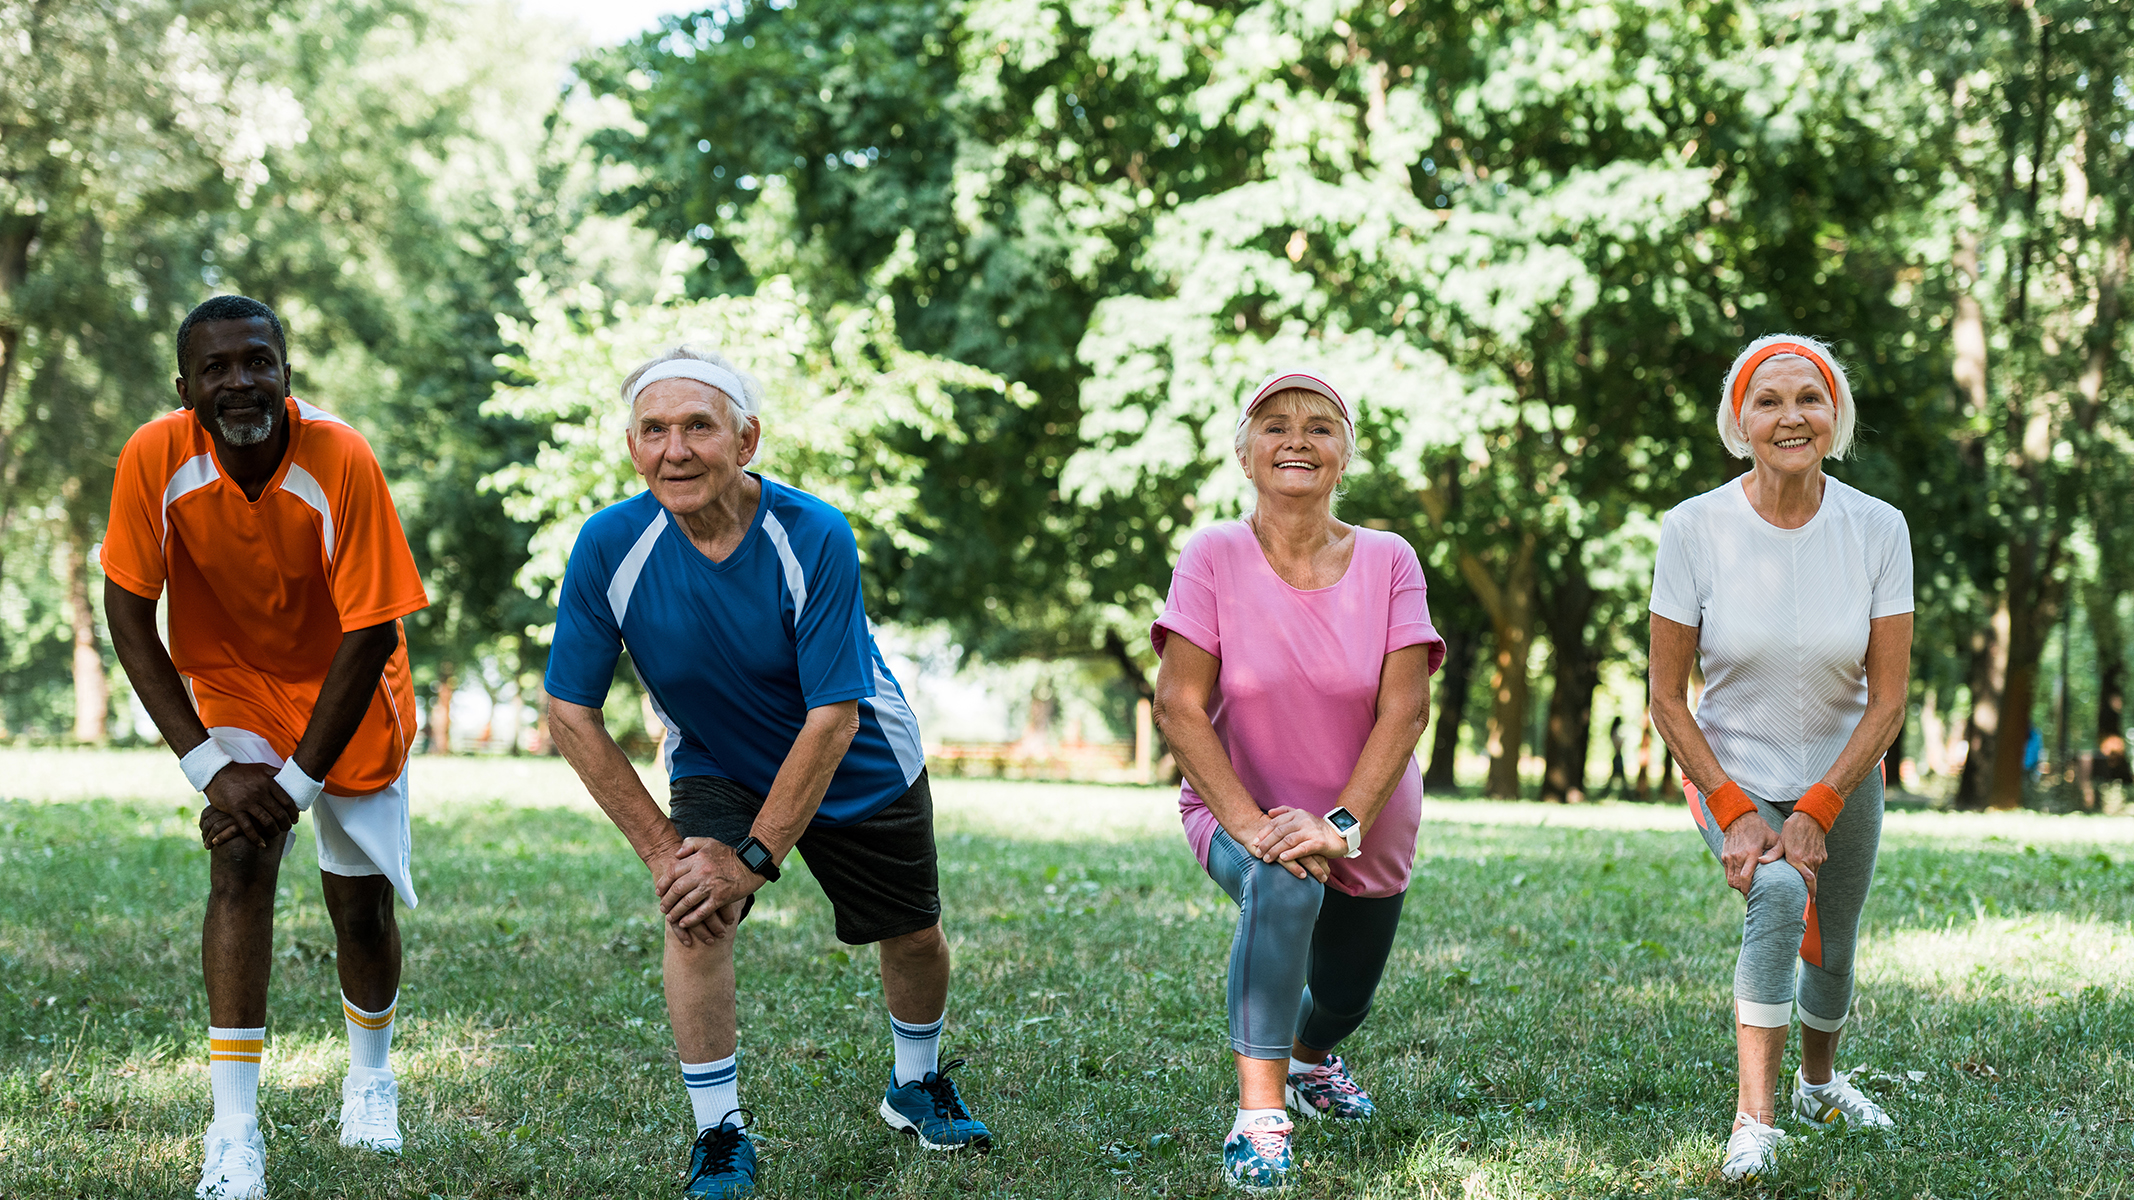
<point>1334,1073</point>
<point>721,1144</point>
<point>242,1159</point>
<point>1854,1103</point>
<point>942,1091</point>
<point>1752,1137</point>
<point>370,1101</point>
<point>1267,1140</point>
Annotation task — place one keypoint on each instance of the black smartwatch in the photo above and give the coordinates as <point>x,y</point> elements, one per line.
<point>757,857</point>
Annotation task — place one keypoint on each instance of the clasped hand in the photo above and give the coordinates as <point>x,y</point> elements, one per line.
<point>701,887</point>
<point>244,801</point>
<point>1751,843</point>
<point>1299,840</point>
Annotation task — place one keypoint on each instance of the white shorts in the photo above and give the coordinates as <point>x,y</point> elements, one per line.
<point>356,835</point>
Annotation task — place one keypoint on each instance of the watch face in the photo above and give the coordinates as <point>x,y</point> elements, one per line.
<point>1342,819</point>
<point>755,858</point>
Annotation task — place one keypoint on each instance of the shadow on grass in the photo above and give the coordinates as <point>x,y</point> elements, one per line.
<point>1555,1020</point>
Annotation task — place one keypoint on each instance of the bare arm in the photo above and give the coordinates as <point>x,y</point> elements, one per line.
<point>605,770</point>
<point>351,681</point>
<point>1747,843</point>
<point>244,792</point>
<point>1403,713</point>
<point>713,876</point>
<point>1185,682</point>
<point>1674,647</point>
<point>1889,683</point>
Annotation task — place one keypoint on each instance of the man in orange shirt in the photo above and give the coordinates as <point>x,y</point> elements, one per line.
<point>284,689</point>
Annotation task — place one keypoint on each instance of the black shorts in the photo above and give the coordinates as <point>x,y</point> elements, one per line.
<point>881,875</point>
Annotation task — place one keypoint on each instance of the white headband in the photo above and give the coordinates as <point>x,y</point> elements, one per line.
<point>703,372</point>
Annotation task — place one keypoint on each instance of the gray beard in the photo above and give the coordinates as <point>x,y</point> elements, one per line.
<point>245,433</point>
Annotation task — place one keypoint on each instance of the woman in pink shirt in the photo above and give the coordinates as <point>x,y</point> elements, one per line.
<point>1297,652</point>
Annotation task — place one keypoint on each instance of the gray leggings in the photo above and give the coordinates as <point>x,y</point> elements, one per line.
<point>1306,958</point>
<point>1776,929</point>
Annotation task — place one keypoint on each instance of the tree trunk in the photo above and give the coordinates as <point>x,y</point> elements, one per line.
<point>2110,638</point>
<point>1567,609</point>
<point>2038,600</point>
<point>17,231</point>
<point>1511,620</point>
<point>92,691</point>
<point>1989,670</point>
<point>1449,708</point>
<point>441,712</point>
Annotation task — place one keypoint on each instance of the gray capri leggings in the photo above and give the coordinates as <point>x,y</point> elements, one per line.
<point>1306,958</point>
<point>1776,929</point>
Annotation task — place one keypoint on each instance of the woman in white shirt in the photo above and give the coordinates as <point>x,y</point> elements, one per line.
<point>1795,591</point>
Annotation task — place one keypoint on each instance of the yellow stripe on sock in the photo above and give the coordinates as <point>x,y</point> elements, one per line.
<point>236,1045</point>
<point>365,1020</point>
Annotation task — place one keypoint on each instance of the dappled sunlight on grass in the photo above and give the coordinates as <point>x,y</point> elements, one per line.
<point>1555,1018</point>
<point>1983,956</point>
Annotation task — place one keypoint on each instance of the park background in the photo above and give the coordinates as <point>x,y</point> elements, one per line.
<point>1006,266</point>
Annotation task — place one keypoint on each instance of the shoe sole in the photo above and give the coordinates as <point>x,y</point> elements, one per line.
<point>904,1125</point>
<point>376,1146</point>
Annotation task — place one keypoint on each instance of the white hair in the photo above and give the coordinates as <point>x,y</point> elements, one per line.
<point>1845,419</point>
<point>742,408</point>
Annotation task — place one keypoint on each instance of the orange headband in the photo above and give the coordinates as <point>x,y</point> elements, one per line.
<point>1741,377</point>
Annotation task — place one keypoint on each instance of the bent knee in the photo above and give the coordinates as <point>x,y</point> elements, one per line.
<point>1279,895</point>
<point>1780,886</point>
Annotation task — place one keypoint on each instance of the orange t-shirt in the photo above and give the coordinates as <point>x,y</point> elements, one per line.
<point>261,591</point>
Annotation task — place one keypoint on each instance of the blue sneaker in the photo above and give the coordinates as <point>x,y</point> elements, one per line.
<point>1328,1090</point>
<point>722,1165</point>
<point>931,1111</point>
<point>1257,1157</point>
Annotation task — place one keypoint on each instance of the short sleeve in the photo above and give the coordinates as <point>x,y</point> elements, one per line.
<point>1189,611</point>
<point>830,637</point>
<point>133,538</point>
<point>582,656</point>
<point>1678,590</point>
<point>373,576</point>
<point>1408,616</point>
<point>1892,592</point>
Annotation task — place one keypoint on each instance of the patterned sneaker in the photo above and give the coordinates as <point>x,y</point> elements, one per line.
<point>1328,1090</point>
<point>236,1161</point>
<point>1257,1157</point>
<point>370,1111</point>
<point>931,1111</point>
<point>1837,1100</point>
<point>1751,1149</point>
<point>722,1164</point>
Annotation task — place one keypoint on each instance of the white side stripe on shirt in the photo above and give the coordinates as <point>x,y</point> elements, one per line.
<point>300,484</point>
<point>795,581</point>
<point>899,726</point>
<point>633,564</point>
<point>197,472</point>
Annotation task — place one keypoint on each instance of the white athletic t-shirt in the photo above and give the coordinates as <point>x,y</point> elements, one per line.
<point>1782,617</point>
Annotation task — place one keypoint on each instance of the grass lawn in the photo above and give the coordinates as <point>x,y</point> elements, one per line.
<point>1556,1019</point>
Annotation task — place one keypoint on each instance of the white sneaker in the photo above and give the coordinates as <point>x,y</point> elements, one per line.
<point>236,1161</point>
<point>370,1111</point>
<point>1824,1105</point>
<point>1750,1150</point>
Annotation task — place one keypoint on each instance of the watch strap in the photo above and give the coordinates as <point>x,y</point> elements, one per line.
<point>1353,835</point>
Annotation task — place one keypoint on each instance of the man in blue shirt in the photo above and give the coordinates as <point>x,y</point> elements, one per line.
<point>739,601</point>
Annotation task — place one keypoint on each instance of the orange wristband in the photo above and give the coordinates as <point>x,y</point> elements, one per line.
<point>1729,804</point>
<point>1822,804</point>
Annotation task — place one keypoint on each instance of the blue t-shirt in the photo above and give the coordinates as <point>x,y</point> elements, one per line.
<point>735,653</point>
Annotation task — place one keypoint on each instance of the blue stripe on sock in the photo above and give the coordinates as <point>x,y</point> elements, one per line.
<point>700,1079</point>
<point>917,1032</point>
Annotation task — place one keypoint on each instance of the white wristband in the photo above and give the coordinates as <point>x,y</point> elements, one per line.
<point>202,762</point>
<point>302,788</point>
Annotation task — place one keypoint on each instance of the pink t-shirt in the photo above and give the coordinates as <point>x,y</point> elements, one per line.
<point>1298,690</point>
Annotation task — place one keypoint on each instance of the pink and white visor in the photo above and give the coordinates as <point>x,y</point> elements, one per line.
<point>1283,380</point>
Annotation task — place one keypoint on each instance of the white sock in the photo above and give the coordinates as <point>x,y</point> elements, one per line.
<point>1802,1080</point>
<point>714,1091</point>
<point>233,1069</point>
<point>1246,1116</point>
<point>1302,1068</point>
<point>918,1049</point>
<point>370,1035</point>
